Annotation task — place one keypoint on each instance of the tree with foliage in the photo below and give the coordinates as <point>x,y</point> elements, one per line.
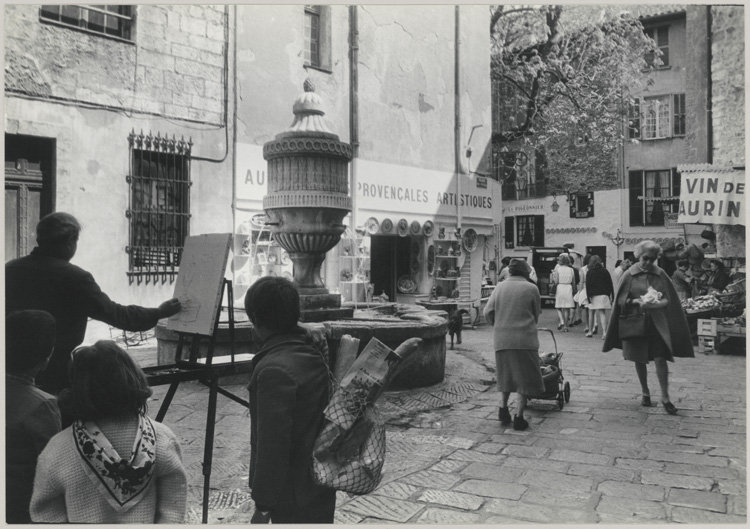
<point>565,75</point>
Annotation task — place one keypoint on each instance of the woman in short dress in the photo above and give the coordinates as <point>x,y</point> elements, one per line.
<point>563,276</point>
<point>599,291</point>
<point>667,334</point>
<point>513,309</point>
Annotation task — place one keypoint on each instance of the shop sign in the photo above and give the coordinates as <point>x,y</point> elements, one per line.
<point>390,187</point>
<point>252,183</point>
<point>712,196</point>
<point>482,182</point>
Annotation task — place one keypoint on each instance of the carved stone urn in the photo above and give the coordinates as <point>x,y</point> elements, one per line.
<point>307,200</point>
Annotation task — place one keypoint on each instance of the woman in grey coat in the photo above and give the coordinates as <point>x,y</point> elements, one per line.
<point>513,309</point>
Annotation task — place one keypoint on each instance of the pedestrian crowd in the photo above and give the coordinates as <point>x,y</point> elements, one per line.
<point>81,447</point>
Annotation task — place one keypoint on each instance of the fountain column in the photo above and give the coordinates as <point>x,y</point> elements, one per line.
<point>307,200</point>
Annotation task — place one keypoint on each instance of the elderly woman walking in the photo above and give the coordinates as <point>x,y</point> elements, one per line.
<point>513,309</point>
<point>660,332</point>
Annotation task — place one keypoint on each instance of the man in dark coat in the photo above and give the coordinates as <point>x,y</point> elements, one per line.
<point>288,394</point>
<point>46,280</point>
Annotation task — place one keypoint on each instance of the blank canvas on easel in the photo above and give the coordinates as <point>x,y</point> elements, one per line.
<point>200,283</point>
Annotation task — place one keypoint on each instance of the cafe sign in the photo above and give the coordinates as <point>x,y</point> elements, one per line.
<point>711,195</point>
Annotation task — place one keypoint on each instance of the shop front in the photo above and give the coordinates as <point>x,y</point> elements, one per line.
<point>419,234</point>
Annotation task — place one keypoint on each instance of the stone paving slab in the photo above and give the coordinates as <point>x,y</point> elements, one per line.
<point>449,461</point>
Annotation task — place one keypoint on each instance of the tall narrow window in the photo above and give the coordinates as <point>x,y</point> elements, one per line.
<point>312,35</point>
<point>660,35</point>
<point>110,20</point>
<point>678,109</point>
<point>655,117</point>
<point>159,210</point>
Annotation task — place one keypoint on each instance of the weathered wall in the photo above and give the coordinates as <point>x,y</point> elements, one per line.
<point>174,69</point>
<point>88,92</point>
<point>696,84</point>
<point>271,71</point>
<point>728,84</point>
<point>728,100</point>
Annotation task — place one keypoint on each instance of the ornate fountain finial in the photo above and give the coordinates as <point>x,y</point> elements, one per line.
<point>308,111</point>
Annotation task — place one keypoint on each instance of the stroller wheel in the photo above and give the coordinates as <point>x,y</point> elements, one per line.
<point>566,391</point>
<point>561,400</point>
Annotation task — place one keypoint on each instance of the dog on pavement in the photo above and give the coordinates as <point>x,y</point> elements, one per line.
<point>456,324</point>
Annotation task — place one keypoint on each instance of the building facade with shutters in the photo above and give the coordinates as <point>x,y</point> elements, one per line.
<point>669,124</point>
<point>148,122</point>
<point>119,116</point>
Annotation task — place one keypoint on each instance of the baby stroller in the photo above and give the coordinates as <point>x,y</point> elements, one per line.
<point>555,387</point>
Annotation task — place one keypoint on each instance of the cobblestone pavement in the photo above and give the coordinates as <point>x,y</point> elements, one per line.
<point>603,458</point>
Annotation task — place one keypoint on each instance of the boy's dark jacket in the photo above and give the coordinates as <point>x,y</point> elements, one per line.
<point>288,393</point>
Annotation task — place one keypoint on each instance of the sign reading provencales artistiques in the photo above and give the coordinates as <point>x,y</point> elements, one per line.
<point>711,195</point>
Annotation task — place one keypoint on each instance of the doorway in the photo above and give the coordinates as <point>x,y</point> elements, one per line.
<point>29,194</point>
<point>601,251</point>
<point>389,258</point>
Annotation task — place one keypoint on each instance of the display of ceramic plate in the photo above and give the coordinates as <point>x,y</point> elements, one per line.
<point>259,220</point>
<point>470,240</point>
<point>403,227</point>
<point>372,225</point>
<point>272,258</point>
<point>415,227</point>
<point>386,225</point>
<point>406,285</point>
<point>431,259</point>
<point>428,228</point>
<point>285,259</point>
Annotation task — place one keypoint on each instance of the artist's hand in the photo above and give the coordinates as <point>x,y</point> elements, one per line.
<point>169,307</point>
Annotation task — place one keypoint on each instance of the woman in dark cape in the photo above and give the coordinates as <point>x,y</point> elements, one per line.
<point>667,333</point>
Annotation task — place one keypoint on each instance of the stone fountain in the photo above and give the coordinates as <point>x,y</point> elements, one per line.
<point>307,200</point>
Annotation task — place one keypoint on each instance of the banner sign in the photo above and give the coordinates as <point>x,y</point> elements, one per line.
<point>712,196</point>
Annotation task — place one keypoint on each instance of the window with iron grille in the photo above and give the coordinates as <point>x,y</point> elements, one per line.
<point>652,194</point>
<point>660,35</point>
<point>678,114</point>
<point>159,209</point>
<point>312,35</point>
<point>111,20</point>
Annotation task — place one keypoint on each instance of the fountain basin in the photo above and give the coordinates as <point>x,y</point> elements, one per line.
<point>391,324</point>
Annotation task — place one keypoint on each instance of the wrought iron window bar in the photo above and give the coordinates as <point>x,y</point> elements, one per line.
<point>158,207</point>
<point>114,21</point>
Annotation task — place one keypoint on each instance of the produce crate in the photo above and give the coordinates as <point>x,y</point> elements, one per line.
<point>707,327</point>
<point>706,345</point>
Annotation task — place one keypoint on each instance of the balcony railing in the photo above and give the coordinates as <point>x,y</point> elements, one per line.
<point>511,191</point>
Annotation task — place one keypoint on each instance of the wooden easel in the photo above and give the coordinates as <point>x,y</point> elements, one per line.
<point>207,374</point>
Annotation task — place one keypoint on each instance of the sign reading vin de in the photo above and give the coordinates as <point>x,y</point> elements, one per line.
<point>712,197</point>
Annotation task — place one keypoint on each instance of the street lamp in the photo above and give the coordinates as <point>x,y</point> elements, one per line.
<point>555,206</point>
<point>521,186</point>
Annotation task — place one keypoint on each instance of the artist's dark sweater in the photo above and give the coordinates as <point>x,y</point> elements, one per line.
<point>71,295</point>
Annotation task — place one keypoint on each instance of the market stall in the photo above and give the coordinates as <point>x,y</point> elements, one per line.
<point>715,197</point>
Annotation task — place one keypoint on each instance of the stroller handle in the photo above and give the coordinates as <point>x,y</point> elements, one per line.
<point>551,333</point>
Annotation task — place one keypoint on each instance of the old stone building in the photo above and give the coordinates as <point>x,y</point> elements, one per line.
<point>119,115</point>
<point>147,122</point>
